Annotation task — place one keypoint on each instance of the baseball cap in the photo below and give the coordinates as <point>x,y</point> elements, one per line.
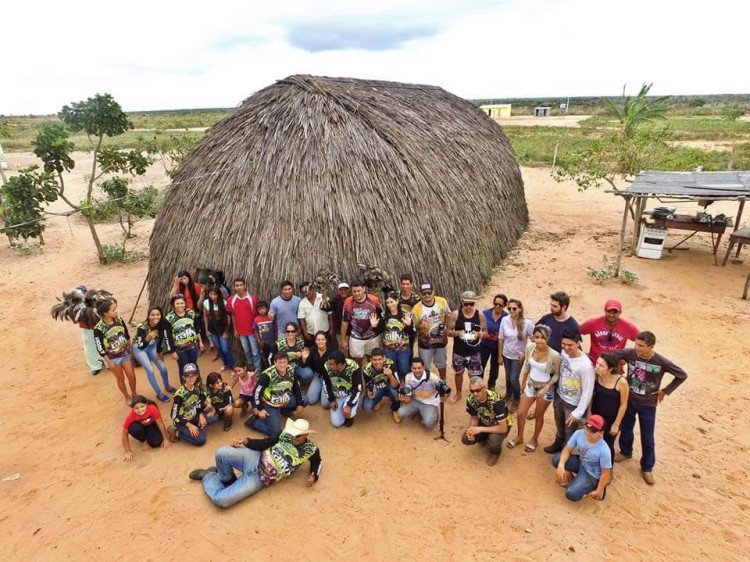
<point>470,296</point>
<point>596,421</point>
<point>189,369</point>
<point>343,285</point>
<point>425,287</point>
<point>613,304</point>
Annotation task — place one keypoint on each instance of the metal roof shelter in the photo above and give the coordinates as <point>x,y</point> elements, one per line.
<point>701,187</point>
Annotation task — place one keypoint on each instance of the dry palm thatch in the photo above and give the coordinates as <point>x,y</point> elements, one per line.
<point>316,173</point>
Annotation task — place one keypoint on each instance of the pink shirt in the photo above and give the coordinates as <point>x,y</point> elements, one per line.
<point>243,311</point>
<point>247,386</point>
<point>604,338</point>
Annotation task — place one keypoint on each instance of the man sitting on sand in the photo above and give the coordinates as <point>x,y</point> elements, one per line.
<point>260,463</point>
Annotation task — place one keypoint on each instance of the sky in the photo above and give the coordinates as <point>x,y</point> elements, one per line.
<point>164,54</point>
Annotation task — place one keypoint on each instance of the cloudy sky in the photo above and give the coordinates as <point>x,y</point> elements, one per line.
<point>164,54</point>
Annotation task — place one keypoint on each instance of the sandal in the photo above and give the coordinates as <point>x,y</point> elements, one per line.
<point>511,443</point>
<point>170,389</point>
<point>530,447</point>
<point>163,397</point>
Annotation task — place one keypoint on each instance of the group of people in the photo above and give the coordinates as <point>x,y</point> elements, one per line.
<point>354,351</point>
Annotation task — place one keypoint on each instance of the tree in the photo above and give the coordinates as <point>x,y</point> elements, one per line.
<point>170,152</point>
<point>23,198</point>
<point>98,116</point>
<point>634,112</point>
<point>131,204</point>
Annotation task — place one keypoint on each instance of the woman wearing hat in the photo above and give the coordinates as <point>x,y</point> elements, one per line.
<point>260,463</point>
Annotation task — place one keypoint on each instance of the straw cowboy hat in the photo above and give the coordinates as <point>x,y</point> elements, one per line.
<point>298,427</point>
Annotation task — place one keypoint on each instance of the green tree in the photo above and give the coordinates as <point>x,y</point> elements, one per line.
<point>634,112</point>
<point>131,204</point>
<point>23,198</point>
<point>170,152</point>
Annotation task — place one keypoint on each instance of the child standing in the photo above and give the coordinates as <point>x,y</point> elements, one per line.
<point>263,327</point>
<point>248,381</point>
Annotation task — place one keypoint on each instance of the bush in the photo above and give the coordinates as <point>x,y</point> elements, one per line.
<point>601,275</point>
<point>115,253</point>
<point>99,211</point>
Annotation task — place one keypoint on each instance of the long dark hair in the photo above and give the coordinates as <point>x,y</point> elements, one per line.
<point>217,317</point>
<point>399,311</point>
<point>150,310</point>
<point>191,288</point>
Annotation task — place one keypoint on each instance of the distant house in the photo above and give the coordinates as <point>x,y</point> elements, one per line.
<point>496,109</point>
<point>541,111</point>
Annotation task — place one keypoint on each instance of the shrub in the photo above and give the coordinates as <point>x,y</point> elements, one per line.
<point>606,272</point>
<point>99,211</point>
<point>115,253</point>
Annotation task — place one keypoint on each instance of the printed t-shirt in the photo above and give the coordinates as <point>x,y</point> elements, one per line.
<point>555,339</point>
<point>112,339</point>
<point>247,386</point>
<point>512,346</point>
<point>151,414</point>
<point>576,383</point>
<point>263,328</point>
<point>605,339</point>
<point>377,380</point>
<point>594,456</point>
<point>424,388</point>
<point>644,376</point>
<point>396,333</point>
<point>243,311</point>
<point>284,312</point>
<point>283,458</point>
<point>490,412</point>
<point>220,398</point>
<point>434,317</point>
<point>357,314</point>
<point>184,334</point>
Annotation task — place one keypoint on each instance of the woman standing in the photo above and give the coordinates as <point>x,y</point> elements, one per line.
<point>316,360</point>
<point>610,399</point>
<point>540,372</point>
<point>514,333</point>
<point>217,323</point>
<point>144,424</point>
<point>193,294</point>
<point>147,346</point>
<point>113,344</point>
<point>397,334</point>
<point>488,347</point>
<point>183,341</point>
<point>293,344</point>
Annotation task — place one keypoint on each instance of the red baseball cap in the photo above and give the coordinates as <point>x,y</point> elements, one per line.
<point>613,304</point>
<point>596,421</point>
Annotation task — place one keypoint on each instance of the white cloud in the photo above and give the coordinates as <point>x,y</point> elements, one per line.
<point>160,55</point>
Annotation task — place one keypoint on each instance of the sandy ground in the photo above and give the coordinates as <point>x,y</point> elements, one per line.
<point>386,491</point>
<point>570,121</point>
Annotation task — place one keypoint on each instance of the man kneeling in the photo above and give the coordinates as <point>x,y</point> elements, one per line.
<point>587,473</point>
<point>260,462</point>
<point>489,419</point>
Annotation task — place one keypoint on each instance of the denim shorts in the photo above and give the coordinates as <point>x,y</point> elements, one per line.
<point>532,392</point>
<point>120,360</point>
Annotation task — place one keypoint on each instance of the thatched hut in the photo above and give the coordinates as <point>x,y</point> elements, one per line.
<point>314,172</point>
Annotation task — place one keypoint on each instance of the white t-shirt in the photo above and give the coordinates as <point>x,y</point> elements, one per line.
<point>315,319</point>
<point>424,392</point>
<point>512,346</point>
<point>576,384</point>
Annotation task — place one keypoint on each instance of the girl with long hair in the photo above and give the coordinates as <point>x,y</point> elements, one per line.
<point>113,344</point>
<point>143,423</point>
<point>183,340</point>
<point>147,347</point>
<point>217,322</point>
<point>610,398</point>
<point>397,333</point>
<point>514,333</point>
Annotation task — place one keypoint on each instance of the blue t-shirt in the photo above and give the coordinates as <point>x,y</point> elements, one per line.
<point>492,327</point>
<point>555,339</point>
<point>284,312</point>
<point>593,457</point>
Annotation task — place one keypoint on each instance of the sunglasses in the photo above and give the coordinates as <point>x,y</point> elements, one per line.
<point>499,304</point>
<point>513,308</point>
<point>591,428</point>
<point>291,331</point>
<point>426,293</point>
<point>468,304</point>
<point>476,390</point>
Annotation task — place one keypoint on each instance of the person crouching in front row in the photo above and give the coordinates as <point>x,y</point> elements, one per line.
<point>419,394</point>
<point>489,419</point>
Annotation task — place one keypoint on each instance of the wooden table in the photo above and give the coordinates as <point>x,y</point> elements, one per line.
<point>740,236</point>
<point>688,222</point>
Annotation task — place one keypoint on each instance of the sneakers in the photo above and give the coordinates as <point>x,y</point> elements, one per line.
<point>227,424</point>
<point>97,371</point>
<point>619,457</point>
<point>348,422</point>
<point>492,459</point>
<point>199,473</point>
<point>648,477</point>
<point>395,416</point>
<point>556,447</point>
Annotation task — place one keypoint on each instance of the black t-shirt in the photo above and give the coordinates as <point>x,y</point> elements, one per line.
<point>555,339</point>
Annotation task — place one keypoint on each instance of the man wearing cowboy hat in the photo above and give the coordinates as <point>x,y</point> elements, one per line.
<point>260,463</point>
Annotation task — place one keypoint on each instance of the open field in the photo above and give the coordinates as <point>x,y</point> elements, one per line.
<point>76,499</point>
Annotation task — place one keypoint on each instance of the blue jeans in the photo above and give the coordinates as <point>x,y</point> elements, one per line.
<point>401,360</point>
<point>252,352</point>
<point>303,374</point>
<point>185,436</point>
<point>219,486</point>
<point>222,346</point>
<point>147,356</point>
<point>582,484</point>
<point>186,356</point>
<point>271,426</point>
<point>381,393</point>
<point>337,415</point>
<point>490,354</point>
<point>315,390</point>
<point>428,412</point>
<point>512,374</point>
<point>647,424</point>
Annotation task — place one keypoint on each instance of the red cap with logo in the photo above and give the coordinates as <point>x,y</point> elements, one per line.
<point>596,421</point>
<point>613,304</point>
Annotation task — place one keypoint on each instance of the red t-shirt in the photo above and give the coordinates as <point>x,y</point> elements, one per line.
<point>357,314</point>
<point>604,338</point>
<point>151,414</point>
<point>188,297</point>
<point>243,311</point>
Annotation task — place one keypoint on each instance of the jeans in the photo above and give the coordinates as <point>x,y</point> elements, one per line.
<point>185,356</point>
<point>185,436</point>
<point>401,360</point>
<point>490,353</point>
<point>428,412</point>
<point>148,356</point>
<point>495,441</point>
<point>252,351</point>
<point>337,415</point>
<point>647,424</point>
<point>222,487</point>
<point>222,346</point>
<point>562,412</point>
<point>381,393</point>
<point>93,359</point>
<point>303,374</point>
<point>582,484</point>
<point>512,374</point>
<point>314,390</point>
<point>271,426</point>
<point>149,433</point>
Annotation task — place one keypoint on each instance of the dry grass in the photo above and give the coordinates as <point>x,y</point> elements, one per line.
<point>326,173</point>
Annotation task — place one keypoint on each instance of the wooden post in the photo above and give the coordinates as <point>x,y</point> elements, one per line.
<point>747,286</point>
<point>554,156</point>
<point>640,205</point>
<point>138,300</point>
<point>622,235</point>
<point>739,214</point>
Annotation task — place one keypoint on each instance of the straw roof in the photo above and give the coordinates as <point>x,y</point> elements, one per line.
<point>314,172</point>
